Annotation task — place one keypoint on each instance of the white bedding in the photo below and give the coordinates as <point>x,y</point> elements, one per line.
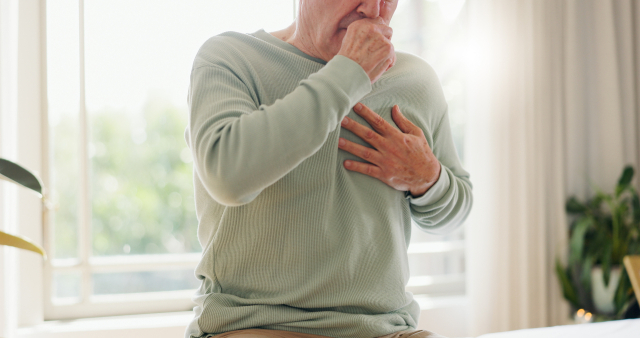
<point>629,328</point>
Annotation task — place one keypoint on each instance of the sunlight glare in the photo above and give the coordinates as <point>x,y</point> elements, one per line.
<point>450,9</point>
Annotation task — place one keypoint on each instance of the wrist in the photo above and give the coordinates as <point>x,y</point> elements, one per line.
<point>423,188</point>
<point>419,192</point>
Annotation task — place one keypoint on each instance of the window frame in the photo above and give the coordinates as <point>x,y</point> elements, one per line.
<point>99,305</point>
<point>22,141</point>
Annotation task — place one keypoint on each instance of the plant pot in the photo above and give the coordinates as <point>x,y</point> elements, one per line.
<point>603,295</point>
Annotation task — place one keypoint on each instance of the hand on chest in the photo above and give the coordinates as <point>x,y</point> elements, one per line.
<point>389,147</point>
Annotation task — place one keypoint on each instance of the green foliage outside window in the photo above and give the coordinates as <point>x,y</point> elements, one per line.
<point>141,183</point>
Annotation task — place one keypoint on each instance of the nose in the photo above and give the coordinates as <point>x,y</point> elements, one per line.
<point>370,8</point>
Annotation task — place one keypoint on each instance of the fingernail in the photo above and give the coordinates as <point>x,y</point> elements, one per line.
<point>341,142</point>
<point>358,106</point>
<point>345,121</point>
<point>347,163</point>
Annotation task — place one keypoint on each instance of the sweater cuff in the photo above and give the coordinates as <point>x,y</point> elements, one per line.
<point>349,76</point>
<point>435,193</point>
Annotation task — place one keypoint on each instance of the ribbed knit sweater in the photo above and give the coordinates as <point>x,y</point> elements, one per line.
<point>292,240</point>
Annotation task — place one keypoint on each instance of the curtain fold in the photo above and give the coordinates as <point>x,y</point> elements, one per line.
<point>553,109</point>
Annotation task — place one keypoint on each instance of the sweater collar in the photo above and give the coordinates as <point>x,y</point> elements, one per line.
<point>263,35</point>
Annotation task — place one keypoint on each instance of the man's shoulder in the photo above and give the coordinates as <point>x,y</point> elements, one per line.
<point>407,58</point>
<point>412,66</point>
<point>413,83</point>
<point>229,38</point>
<point>411,73</point>
<point>227,46</point>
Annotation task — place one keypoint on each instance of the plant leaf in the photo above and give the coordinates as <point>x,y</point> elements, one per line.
<point>567,288</point>
<point>635,202</point>
<point>595,203</point>
<point>585,276</point>
<point>574,206</point>
<point>623,308</point>
<point>625,179</point>
<point>623,297</point>
<point>577,239</point>
<point>15,173</point>
<point>606,263</point>
<point>21,243</point>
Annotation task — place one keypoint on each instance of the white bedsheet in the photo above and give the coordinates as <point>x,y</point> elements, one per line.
<point>629,328</point>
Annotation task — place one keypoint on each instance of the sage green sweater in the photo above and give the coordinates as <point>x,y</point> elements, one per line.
<point>292,240</point>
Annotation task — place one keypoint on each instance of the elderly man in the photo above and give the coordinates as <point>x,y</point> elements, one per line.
<point>313,148</point>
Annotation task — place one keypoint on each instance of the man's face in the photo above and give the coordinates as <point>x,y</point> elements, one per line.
<point>327,20</point>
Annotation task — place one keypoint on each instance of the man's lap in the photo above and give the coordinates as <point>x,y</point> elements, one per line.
<point>262,333</point>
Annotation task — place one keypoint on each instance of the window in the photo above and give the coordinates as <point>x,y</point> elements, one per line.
<point>124,226</point>
<point>122,234</point>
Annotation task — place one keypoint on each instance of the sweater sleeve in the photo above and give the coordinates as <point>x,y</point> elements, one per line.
<point>240,149</point>
<point>448,202</point>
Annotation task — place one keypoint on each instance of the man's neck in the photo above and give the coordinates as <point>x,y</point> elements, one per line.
<point>293,36</point>
<point>285,34</point>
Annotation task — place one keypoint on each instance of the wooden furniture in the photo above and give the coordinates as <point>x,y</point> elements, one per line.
<point>632,264</point>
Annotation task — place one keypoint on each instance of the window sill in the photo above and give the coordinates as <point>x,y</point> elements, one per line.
<point>440,302</point>
<point>157,325</point>
<point>174,324</point>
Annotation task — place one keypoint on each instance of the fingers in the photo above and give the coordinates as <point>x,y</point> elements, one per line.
<point>368,42</point>
<point>382,27</point>
<point>363,132</point>
<point>386,31</point>
<point>403,123</point>
<point>380,69</point>
<point>365,153</point>
<point>364,168</point>
<point>376,121</point>
<point>392,62</point>
<point>379,124</point>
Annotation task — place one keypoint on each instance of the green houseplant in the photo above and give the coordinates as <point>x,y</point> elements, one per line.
<point>17,174</point>
<point>603,230</point>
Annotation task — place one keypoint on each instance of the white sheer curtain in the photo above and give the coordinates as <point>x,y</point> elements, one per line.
<point>554,107</point>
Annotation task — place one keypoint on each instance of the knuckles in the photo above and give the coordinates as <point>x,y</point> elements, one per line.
<point>370,171</point>
<point>371,29</point>
<point>377,120</point>
<point>370,134</point>
<point>388,47</point>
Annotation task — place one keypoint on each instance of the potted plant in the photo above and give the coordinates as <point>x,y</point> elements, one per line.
<point>13,172</point>
<point>603,230</point>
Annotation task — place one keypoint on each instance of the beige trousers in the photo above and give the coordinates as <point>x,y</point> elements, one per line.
<point>262,333</point>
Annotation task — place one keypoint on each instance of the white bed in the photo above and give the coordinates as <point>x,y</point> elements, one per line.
<point>629,328</point>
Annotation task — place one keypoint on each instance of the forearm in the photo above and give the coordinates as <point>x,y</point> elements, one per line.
<point>448,202</point>
<point>445,206</point>
<point>240,149</point>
